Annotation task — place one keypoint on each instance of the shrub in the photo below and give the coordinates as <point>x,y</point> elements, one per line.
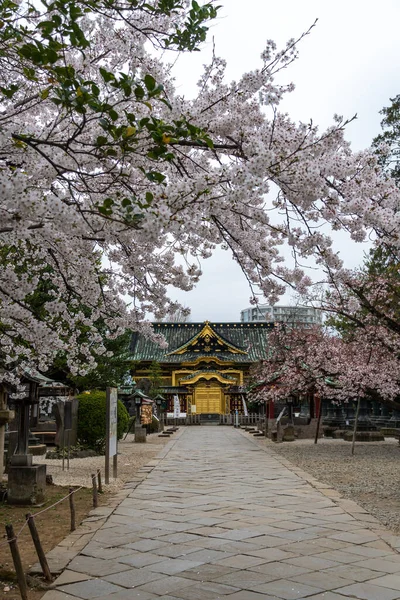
<point>92,419</point>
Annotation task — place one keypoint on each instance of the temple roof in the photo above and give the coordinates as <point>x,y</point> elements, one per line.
<point>233,342</point>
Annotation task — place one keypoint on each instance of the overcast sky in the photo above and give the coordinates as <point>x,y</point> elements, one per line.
<point>347,65</point>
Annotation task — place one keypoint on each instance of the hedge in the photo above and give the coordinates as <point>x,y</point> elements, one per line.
<point>92,419</point>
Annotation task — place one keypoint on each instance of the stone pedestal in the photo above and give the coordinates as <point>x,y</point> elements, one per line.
<point>288,433</point>
<point>364,436</point>
<point>38,450</point>
<point>140,434</point>
<point>26,484</point>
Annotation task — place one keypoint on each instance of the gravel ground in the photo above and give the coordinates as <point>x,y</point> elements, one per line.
<point>371,477</point>
<point>131,457</point>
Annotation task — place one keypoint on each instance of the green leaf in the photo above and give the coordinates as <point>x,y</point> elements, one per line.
<point>45,93</point>
<point>149,82</point>
<point>108,202</point>
<point>139,92</point>
<point>155,176</point>
<point>106,75</point>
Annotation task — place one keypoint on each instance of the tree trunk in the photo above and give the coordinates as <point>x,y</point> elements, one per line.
<point>2,430</point>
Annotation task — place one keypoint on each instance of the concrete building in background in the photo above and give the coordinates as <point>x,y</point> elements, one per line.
<point>306,315</point>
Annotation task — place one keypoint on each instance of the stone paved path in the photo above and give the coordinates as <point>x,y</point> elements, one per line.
<point>220,517</point>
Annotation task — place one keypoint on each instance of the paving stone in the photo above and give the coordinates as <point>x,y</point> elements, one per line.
<point>146,545</point>
<point>288,590</point>
<point>173,566</point>
<point>247,595</point>
<point>71,577</point>
<point>368,591</point>
<point>351,572</point>
<point>272,554</point>
<point>97,551</point>
<point>312,563</point>
<point>133,577</point>
<point>129,595</point>
<point>355,537</point>
<point>57,595</point>
<point>167,585</point>
<point>387,581</point>
<point>96,566</point>
<point>140,559</point>
<point>207,572</point>
<point>175,551</point>
<point>338,556</point>
<point>367,551</point>
<point>241,561</point>
<point>244,579</point>
<point>86,590</point>
<point>205,591</point>
<point>279,569</point>
<point>322,579</point>
<point>380,564</point>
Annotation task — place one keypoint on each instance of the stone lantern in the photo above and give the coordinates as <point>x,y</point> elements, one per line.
<point>140,431</point>
<point>161,404</point>
<point>6,416</point>
<point>26,481</point>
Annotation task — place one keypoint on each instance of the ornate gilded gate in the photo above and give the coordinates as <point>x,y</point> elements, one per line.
<point>208,398</point>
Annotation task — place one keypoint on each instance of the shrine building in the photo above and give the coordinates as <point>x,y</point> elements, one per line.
<point>206,364</point>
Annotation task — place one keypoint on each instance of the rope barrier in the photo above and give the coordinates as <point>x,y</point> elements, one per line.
<point>15,538</point>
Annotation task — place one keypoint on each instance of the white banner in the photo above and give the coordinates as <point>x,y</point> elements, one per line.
<point>246,412</point>
<point>177,408</point>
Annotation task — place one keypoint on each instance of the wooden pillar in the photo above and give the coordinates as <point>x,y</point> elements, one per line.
<point>271,412</point>
<point>317,406</point>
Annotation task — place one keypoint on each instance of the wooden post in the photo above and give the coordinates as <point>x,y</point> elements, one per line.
<point>23,588</point>
<point>355,425</point>
<point>318,426</point>
<point>63,447</point>
<point>72,508</point>
<point>99,484</point>
<point>69,447</point>
<point>38,547</point>
<point>94,485</point>
<point>115,466</point>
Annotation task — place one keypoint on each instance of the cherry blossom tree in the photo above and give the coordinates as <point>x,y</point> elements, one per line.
<point>312,360</point>
<point>114,185</point>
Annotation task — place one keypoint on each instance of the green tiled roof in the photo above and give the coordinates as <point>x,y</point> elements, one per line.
<point>252,338</point>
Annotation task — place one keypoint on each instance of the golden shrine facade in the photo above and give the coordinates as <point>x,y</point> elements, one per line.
<point>206,365</point>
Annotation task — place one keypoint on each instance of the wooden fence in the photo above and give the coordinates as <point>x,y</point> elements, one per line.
<point>243,420</point>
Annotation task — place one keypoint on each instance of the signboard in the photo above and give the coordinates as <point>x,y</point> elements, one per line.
<point>67,415</point>
<point>146,414</point>
<point>177,407</point>
<point>112,420</point>
<point>111,431</point>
